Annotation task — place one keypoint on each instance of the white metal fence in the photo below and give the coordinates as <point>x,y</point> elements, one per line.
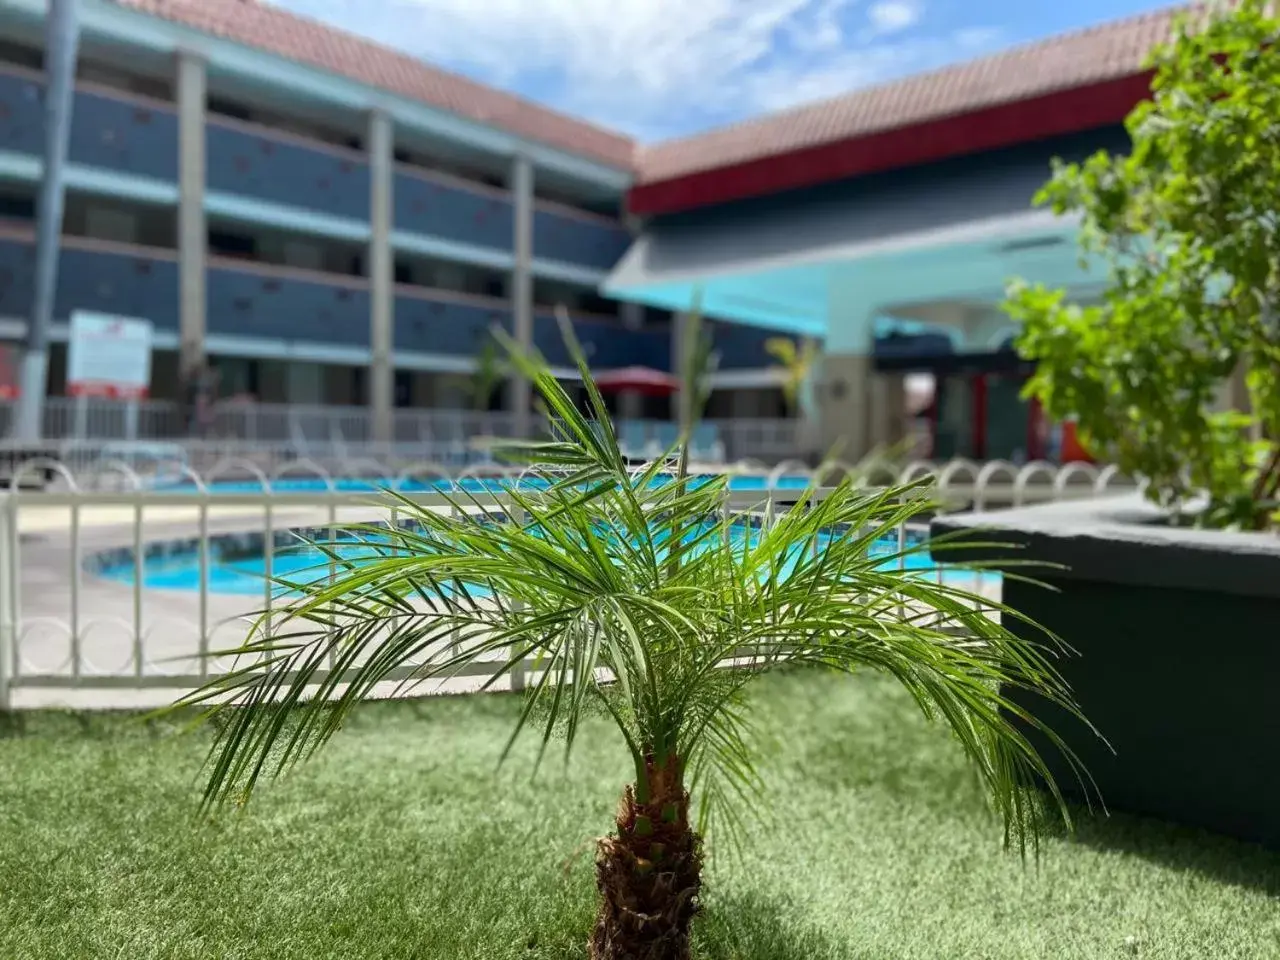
<point>113,594</point>
<point>73,424</point>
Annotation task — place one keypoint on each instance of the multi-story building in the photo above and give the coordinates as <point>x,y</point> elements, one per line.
<point>332,222</point>
<point>326,220</point>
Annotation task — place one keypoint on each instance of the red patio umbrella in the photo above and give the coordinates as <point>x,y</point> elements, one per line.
<point>643,380</point>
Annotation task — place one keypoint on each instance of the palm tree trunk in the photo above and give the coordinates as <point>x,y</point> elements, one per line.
<point>649,872</point>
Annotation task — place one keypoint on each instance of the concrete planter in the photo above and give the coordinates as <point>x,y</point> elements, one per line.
<point>1178,636</point>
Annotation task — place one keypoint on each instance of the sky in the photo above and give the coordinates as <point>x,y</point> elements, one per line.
<point>657,69</point>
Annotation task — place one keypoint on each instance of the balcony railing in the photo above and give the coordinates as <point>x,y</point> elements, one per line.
<point>742,347</point>
<point>570,236</point>
<point>606,343</point>
<point>252,160</point>
<point>451,208</point>
<point>110,130</point>
<point>438,321</point>
<point>115,278</point>
<point>248,299</point>
<point>251,299</point>
<point>133,134</point>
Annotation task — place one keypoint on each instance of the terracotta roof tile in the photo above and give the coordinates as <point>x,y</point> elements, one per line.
<point>1081,58</point>
<point>269,28</point>
<point>1084,57</point>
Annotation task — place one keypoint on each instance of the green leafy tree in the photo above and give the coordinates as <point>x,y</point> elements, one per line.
<point>646,598</point>
<point>1185,228</point>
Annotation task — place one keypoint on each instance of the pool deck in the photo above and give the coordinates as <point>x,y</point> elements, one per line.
<point>170,618</point>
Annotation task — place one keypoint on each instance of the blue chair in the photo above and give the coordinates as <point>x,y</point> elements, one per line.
<point>631,438</point>
<point>705,444</point>
<point>663,439</point>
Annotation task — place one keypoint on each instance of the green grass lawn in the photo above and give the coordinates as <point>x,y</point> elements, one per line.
<point>401,841</point>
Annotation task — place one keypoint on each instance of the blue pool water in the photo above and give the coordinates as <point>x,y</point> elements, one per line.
<point>246,575</point>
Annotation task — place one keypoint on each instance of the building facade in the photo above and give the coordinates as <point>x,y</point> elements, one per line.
<point>317,232</point>
<point>331,222</point>
<point>888,222</point>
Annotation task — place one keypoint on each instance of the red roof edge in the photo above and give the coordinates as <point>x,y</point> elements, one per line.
<point>1009,124</point>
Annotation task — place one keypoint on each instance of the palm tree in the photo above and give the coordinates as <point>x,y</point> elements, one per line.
<point>796,363</point>
<point>651,597</point>
<point>489,373</point>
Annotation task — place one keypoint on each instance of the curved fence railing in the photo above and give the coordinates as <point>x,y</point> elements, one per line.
<point>118,579</point>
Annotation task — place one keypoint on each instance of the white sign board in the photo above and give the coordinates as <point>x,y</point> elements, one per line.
<point>108,356</point>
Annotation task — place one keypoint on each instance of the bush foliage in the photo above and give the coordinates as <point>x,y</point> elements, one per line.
<point>1185,230</point>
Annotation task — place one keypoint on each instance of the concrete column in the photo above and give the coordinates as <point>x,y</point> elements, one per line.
<point>381,276</point>
<point>521,395</point>
<point>845,380</point>
<point>888,409</point>
<point>193,235</point>
<point>845,406</point>
<point>679,361</point>
<point>630,403</point>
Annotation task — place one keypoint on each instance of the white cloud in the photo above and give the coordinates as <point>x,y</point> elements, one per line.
<point>654,67</point>
<point>892,16</point>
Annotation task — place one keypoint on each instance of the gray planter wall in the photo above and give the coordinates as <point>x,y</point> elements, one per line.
<point>1178,640</point>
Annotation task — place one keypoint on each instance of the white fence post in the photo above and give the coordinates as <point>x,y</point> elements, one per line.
<point>8,609</point>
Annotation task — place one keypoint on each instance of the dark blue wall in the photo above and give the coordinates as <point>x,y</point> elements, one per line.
<point>570,239</point>
<point>122,284</point>
<point>286,172</point>
<point>141,138</point>
<point>21,115</point>
<point>250,304</point>
<point>741,347</point>
<point>124,136</point>
<point>246,304</point>
<point>913,345</point>
<point>445,326</point>
<point>872,208</point>
<point>441,209</point>
<point>607,344</point>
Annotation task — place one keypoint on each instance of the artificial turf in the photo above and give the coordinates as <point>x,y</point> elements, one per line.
<point>402,841</point>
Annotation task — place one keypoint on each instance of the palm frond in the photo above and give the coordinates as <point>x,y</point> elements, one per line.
<point>654,598</point>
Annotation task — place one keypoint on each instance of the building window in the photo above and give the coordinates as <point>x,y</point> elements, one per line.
<point>13,207</point>
<point>305,256</point>
<point>21,56</point>
<point>228,108</point>
<point>359,395</point>
<point>105,75</point>
<point>404,388</point>
<point>227,244</point>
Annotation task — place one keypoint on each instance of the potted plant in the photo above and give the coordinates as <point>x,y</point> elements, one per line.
<point>1171,598</point>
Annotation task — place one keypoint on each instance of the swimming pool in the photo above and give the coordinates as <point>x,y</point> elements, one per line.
<point>238,563</point>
